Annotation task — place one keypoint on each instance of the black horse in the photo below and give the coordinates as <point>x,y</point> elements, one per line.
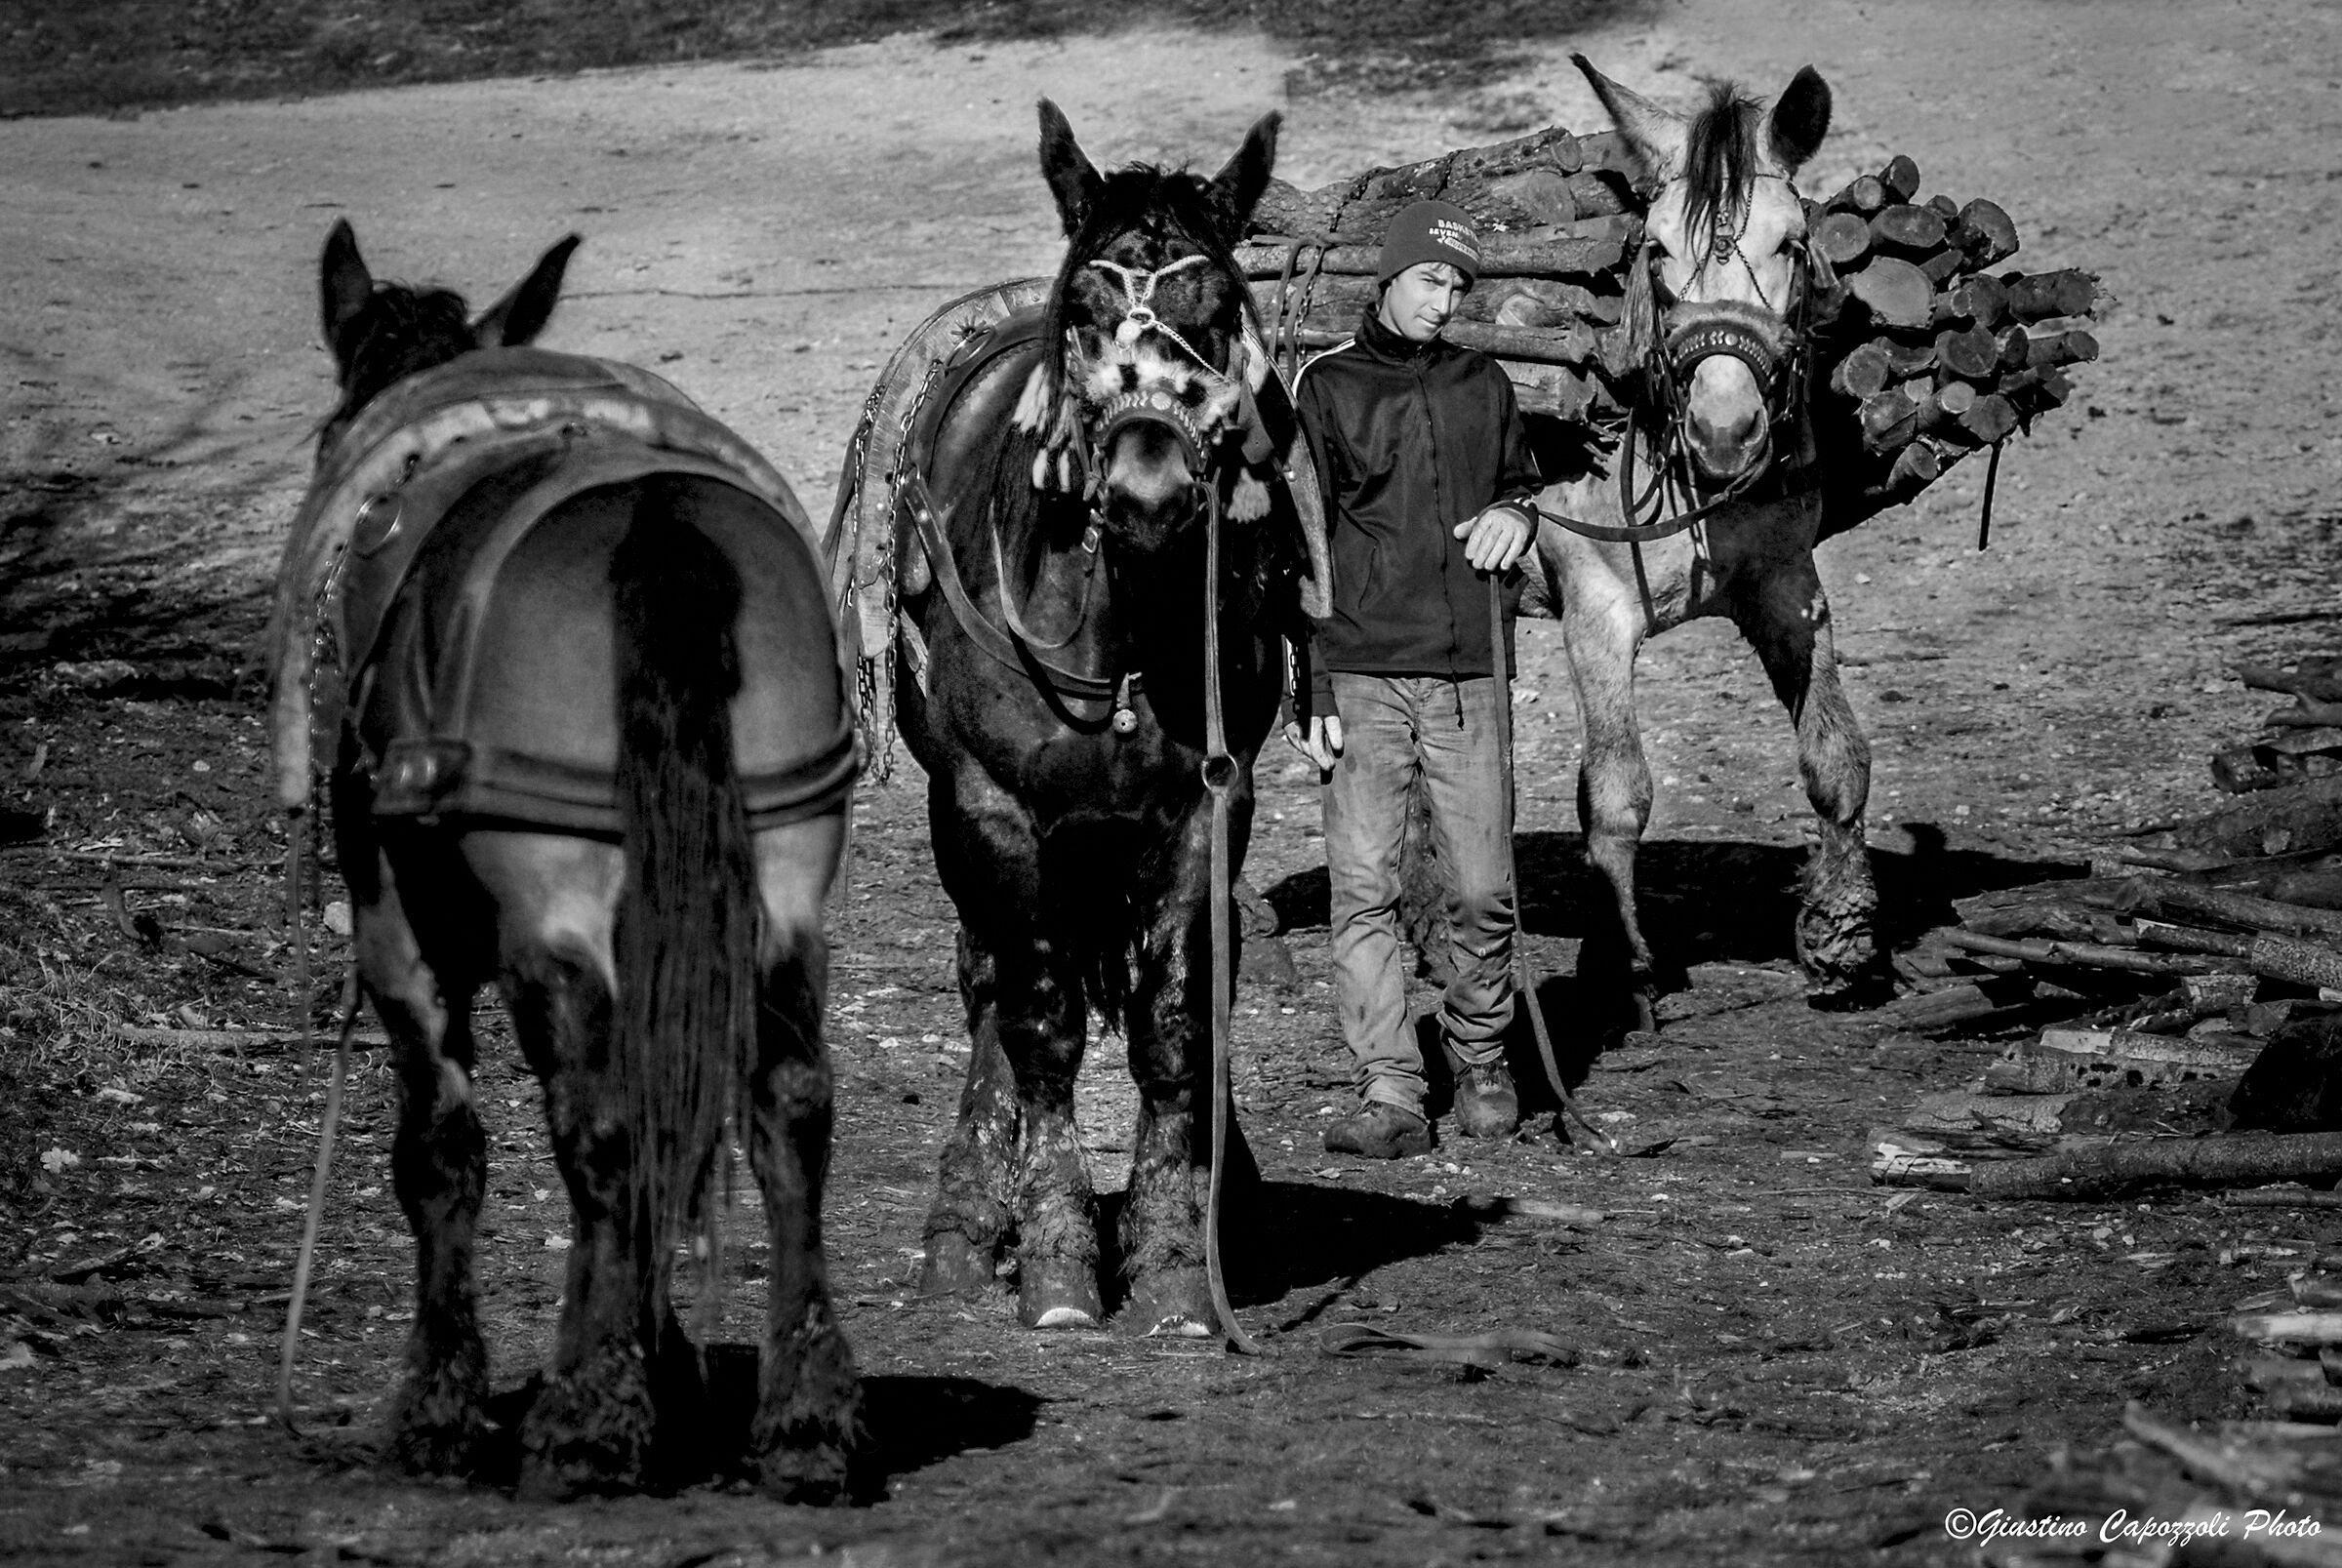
<point>596,747</point>
<point>1056,520</point>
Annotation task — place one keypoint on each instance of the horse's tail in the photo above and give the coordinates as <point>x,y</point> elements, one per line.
<point>686,931</point>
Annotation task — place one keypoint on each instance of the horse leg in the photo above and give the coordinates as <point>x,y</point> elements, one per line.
<point>1022,979</point>
<point>1168,1025</point>
<point>971,1221</point>
<point>808,1399</point>
<point>1056,1232</point>
<point>438,1164</point>
<point>590,1426</point>
<point>1614,780</point>
<point>1788,623</point>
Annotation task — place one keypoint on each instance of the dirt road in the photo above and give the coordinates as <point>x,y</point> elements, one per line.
<point>1778,1367</point>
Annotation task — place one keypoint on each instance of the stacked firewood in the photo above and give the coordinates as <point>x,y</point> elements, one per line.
<point>2170,984</point>
<point>2302,741</point>
<point>1560,221</point>
<point>1922,354</point>
<point>1936,354</point>
<point>2159,944</point>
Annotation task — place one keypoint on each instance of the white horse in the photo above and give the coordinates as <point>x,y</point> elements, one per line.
<point>1711,502</point>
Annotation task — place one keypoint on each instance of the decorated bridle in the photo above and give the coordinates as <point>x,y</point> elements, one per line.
<point>1779,354</point>
<point>1248,365</point>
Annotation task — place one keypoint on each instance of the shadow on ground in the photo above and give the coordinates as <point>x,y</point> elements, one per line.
<point>1716,903</point>
<point>911,1421</point>
<point>1701,903</point>
<point>1298,1235</point>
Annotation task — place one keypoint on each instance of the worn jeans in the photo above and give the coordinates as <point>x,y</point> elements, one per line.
<point>1393,729</point>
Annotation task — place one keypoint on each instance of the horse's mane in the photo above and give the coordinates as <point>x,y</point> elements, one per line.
<point>1720,159</point>
<point>399,331</point>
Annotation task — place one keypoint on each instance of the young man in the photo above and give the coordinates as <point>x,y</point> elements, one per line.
<point>1429,485</point>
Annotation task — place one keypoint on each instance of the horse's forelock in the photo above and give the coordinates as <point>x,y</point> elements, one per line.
<point>1720,159</point>
<point>398,332</point>
<point>1138,196</point>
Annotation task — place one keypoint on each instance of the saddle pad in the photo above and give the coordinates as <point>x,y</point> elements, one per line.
<point>407,457</point>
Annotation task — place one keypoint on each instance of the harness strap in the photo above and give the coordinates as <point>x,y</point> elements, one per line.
<point>1219,771</point>
<point>1806,483</point>
<point>1003,649</point>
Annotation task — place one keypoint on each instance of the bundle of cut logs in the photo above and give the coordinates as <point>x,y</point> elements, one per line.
<point>2303,740</point>
<point>1922,354</point>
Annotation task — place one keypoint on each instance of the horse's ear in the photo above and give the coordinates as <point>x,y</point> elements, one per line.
<point>1800,119</point>
<point>1238,186</point>
<point>1072,180</point>
<point>520,315</point>
<point>343,285</point>
<point>1654,134</point>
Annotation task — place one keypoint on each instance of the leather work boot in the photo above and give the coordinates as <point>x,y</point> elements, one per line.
<point>1486,1105</point>
<point>1380,1132</point>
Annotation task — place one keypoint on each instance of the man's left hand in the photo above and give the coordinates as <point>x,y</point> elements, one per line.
<point>1497,538</point>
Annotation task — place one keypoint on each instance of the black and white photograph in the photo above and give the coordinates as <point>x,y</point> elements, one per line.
<point>964,784</point>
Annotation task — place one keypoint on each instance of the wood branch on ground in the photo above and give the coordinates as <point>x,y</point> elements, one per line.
<point>2092,1173</point>
<point>2066,1061</point>
<point>2306,817</point>
<point>2089,955</point>
<point>1964,1110</point>
<point>2175,901</point>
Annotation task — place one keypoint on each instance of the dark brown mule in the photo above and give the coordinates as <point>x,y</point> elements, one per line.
<point>596,749</point>
<point>1056,605</point>
<point>1722,440</point>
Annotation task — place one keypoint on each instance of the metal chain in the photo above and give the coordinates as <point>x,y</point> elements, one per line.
<point>881,725</point>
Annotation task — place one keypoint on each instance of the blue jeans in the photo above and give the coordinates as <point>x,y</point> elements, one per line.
<point>1393,729</point>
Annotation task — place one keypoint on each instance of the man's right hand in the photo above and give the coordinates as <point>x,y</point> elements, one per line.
<point>1322,745</point>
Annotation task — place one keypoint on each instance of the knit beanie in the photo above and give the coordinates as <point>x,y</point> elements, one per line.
<point>1429,232</point>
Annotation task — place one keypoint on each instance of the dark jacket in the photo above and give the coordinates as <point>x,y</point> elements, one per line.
<point>1409,439</point>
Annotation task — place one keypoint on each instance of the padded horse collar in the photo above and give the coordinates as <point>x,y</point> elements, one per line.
<point>1021,331</point>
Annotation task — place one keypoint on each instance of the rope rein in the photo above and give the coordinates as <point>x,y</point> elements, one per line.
<point>1524,973</point>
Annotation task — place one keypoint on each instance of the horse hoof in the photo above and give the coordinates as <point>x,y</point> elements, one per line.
<point>440,1448</point>
<point>817,1475</point>
<point>954,1263</point>
<point>1058,1296</point>
<point>437,1426</point>
<point>1176,1303</point>
<point>589,1430</point>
